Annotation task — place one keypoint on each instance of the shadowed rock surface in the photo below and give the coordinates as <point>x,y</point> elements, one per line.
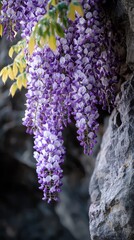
<point>112,185</point>
<point>111,211</point>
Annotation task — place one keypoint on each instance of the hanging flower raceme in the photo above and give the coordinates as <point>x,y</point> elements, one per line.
<point>96,71</point>
<point>71,81</point>
<point>11,14</point>
<point>48,107</point>
<point>49,155</point>
<point>84,110</point>
<point>22,15</point>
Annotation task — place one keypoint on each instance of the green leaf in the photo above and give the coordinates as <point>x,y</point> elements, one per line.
<point>65,21</point>
<point>59,30</point>
<point>51,13</point>
<point>40,30</point>
<point>62,6</point>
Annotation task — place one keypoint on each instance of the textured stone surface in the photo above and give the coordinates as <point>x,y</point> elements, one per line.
<point>128,6</point>
<point>111,210</point>
<point>112,185</point>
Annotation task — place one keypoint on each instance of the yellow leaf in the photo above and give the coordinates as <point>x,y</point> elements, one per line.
<point>71,12</point>
<point>52,42</point>
<point>4,74</point>
<point>24,64</point>
<point>43,41</point>
<point>13,89</point>
<point>21,68</point>
<point>10,73</point>
<point>31,45</point>
<point>11,52</point>
<point>53,2</point>
<point>15,69</point>
<point>19,82</point>
<point>5,77</point>
<point>24,82</point>
<point>4,70</point>
<point>79,10</point>
<point>1,30</point>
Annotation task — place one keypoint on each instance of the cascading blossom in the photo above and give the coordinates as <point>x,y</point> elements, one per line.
<point>72,81</point>
<point>22,15</point>
<point>49,154</point>
<point>84,110</point>
<point>96,71</point>
<point>49,107</point>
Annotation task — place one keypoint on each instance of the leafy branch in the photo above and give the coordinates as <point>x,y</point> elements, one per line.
<point>51,26</point>
<point>16,70</point>
<point>54,23</point>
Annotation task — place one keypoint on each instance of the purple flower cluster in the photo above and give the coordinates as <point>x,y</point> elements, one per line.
<point>49,152</point>
<point>21,14</point>
<point>84,109</point>
<point>48,110</point>
<point>95,73</point>
<point>72,81</point>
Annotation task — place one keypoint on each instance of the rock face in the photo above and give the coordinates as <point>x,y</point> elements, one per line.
<point>112,185</point>
<point>111,210</point>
